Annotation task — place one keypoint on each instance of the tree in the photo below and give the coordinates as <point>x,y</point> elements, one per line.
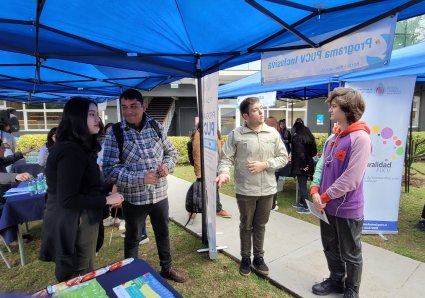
<point>409,32</point>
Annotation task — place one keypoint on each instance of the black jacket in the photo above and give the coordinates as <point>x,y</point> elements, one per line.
<point>73,181</point>
<point>302,157</point>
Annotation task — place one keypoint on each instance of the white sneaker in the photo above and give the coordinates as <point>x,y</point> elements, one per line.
<point>276,207</point>
<point>144,240</point>
<point>122,225</point>
<point>123,234</point>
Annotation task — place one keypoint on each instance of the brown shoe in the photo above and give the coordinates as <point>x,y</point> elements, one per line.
<point>223,213</point>
<point>173,275</point>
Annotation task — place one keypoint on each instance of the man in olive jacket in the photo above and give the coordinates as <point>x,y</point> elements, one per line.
<point>257,151</point>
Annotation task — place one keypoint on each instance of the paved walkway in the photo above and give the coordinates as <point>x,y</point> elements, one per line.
<point>294,252</point>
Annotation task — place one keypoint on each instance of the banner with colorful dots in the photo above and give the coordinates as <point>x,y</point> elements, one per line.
<point>388,105</point>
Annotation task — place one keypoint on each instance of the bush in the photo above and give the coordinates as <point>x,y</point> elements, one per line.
<point>418,146</point>
<point>180,143</point>
<point>320,140</point>
<point>36,140</point>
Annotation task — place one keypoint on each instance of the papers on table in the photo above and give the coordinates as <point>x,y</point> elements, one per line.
<point>320,215</point>
<point>16,191</point>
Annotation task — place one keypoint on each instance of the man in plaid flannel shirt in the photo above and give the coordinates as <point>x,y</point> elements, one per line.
<point>147,158</point>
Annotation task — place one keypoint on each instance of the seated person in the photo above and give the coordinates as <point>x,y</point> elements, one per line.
<point>9,178</point>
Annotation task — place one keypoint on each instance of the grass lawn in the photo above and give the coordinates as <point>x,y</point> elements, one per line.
<point>409,241</point>
<point>219,278</point>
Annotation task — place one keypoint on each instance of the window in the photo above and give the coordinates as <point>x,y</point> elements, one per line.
<point>415,111</point>
<point>53,119</point>
<point>36,116</point>
<point>35,120</point>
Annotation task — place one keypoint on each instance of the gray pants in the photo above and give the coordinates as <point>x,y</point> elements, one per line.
<point>343,249</point>
<point>254,214</point>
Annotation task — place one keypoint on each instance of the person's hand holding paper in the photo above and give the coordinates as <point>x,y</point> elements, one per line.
<point>318,202</point>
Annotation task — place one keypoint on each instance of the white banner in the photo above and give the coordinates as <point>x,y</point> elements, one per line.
<point>209,104</point>
<point>366,48</point>
<point>266,98</point>
<point>388,105</point>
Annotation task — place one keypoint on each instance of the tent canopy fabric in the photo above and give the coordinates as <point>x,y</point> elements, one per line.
<point>311,88</point>
<point>48,97</point>
<point>20,72</point>
<point>406,61</point>
<point>182,38</point>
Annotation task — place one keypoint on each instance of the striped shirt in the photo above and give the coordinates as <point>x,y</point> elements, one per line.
<point>142,151</point>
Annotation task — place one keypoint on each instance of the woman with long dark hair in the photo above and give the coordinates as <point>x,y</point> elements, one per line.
<point>303,149</point>
<point>75,198</point>
<point>285,135</point>
<point>44,151</point>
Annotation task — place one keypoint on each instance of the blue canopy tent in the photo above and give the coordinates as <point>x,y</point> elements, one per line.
<point>303,89</point>
<point>46,97</point>
<point>186,38</point>
<point>182,38</point>
<point>19,72</point>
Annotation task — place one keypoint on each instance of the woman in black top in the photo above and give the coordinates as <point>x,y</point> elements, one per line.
<point>75,198</point>
<point>303,149</point>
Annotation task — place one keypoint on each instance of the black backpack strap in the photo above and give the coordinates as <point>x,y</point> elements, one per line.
<point>119,137</point>
<point>155,126</point>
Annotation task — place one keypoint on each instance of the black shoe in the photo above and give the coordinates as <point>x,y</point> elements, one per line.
<point>245,267</point>
<point>260,266</point>
<point>327,287</point>
<point>421,225</point>
<point>350,293</point>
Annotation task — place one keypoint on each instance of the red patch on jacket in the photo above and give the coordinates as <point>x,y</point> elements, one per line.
<point>340,154</point>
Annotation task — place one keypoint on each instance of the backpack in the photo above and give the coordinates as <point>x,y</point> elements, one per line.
<point>119,135</point>
<point>194,199</point>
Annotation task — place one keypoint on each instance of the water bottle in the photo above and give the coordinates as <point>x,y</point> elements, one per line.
<point>32,187</point>
<point>40,183</point>
<point>44,183</point>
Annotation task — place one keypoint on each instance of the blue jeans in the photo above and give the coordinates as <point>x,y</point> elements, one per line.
<point>135,219</point>
<point>302,187</point>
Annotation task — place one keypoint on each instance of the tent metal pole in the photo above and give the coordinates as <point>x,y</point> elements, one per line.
<point>40,5</point>
<point>408,155</point>
<point>292,113</point>
<point>330,121</point>
<point>204,236</point>
<point>119,107</point>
